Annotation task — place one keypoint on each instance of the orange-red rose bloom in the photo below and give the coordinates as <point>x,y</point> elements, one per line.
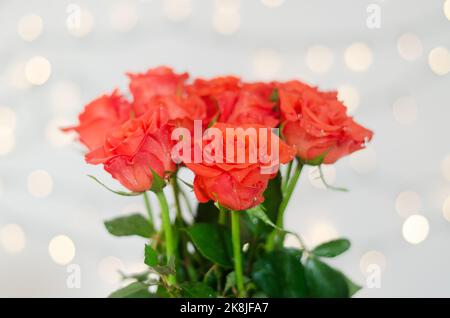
<point>219,95</point>
<point>316,123</point>
<point>231,101</point>
<point>255,106</point>
<point>99,117</point>
<point>157,82</point>
<point>132,150</point>
<point>238,185</point>
<point>162,88</point>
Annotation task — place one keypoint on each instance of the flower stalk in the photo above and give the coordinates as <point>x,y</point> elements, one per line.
<point>236,240</point>
<point>168,233</point>
<point>148,207</point>
<point>288,193</point>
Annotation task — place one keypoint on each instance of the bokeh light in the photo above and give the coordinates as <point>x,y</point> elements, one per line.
<point>439,60</point>
<point>80,21</point>
<point>272,3</point>
<point>415,229</point>
<point>447,9</point>
<point>7,118</point>
<point>40,183</point>
<point>30,27</point>
<point>177,10</point>
<point>446,209</point>
<point>319,59</point>
<point>320,232</point>
<point>408,203</point>
<point>266,63</point>
<point>123,16</point>
<point>38,70</point>
<point>61,249</point>
<point>358,57</point>
<point>226,17</point>
<point>409,46</point>
<point>12,238</point>
<point>7,141</point>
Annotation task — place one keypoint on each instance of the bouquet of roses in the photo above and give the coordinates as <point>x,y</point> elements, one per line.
<point>234,136</point>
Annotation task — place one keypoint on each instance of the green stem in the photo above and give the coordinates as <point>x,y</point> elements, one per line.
<point>287,195</point>
<point>288,175</point>
<point>222,216</point>
<point>276,237</point>
<point>176,194</point>
<point>236,239</point>
<point>167,228</point>
<point>148,207</point>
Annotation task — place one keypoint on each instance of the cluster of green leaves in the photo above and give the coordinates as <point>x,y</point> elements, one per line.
<point>203,265</point>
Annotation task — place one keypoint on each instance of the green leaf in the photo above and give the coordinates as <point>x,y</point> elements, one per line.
<point>280,274</point>
<point>151,257</point>
<point>163,270</point>
<point>230,281</point>
<point>213,241</point>
<point>259,213</point>
<point>134,224</point>
<point>158,183</point>
<point>332,248</point>
<point>324,281</point>
<point>352,287</point>
<point>134,290</point>
<point>123,193</point>
<point>197,290</point>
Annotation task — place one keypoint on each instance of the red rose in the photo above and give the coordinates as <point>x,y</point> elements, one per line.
<point>255,106</point>
<point>99,117</point>
<point>316,123</point>
<point>157,82</point>
<point>182,110</point>
<point>229,100</point>
<point>219,95</point>
<point>139,145</point>
<point>239,185</point>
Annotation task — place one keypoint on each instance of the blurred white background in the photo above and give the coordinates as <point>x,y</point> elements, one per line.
<point>389,59</point>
